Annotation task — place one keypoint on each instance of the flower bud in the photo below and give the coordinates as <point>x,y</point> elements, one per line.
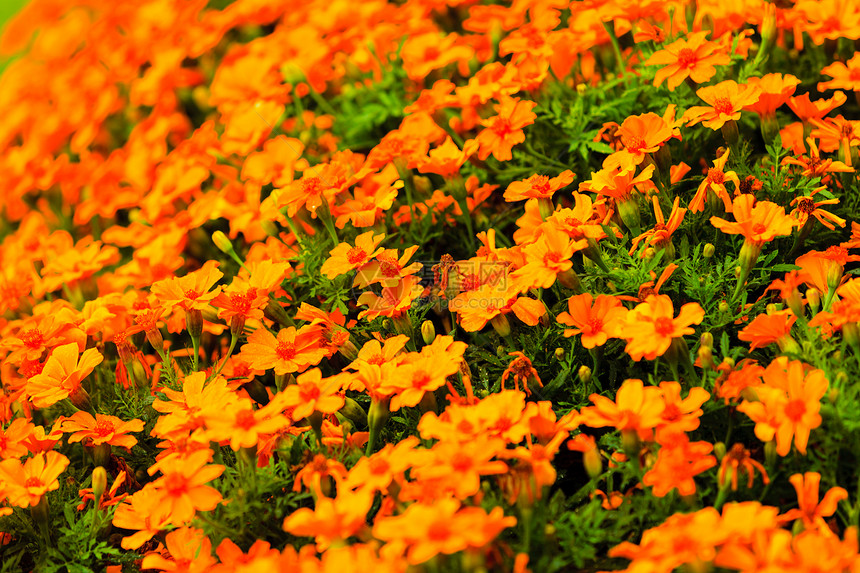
<point>770,309</point>
<point>707,339</point>
<point>101,455</point>
<point>222,242</point>
<point>99,483</point>
<point>559,353</point>
<point>584,374</point>
<point>770,453</point>
<point>354,412</point>
<point>706,357</point>
<point>738,271</point>
<point>723,307</point>
<point>593,462</point>
<point>719,450</point>
<point>194,322</point>
<point>813,297</point>
<point>630,443</point>
<point>501,325</point>
<point>708,250</point>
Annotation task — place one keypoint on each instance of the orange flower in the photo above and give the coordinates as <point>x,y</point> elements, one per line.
<point>641,135</point>
<point>693,57</point>
<point>726,100</point>
<point>144,513</point>
<point>291,351</point>
<point>424,53</point>
<point>189,549</point>
<point>775,91</point>
<point>537,187</point>
<point>191,292</point>
<point>26,483</point>
<point>596,322</point>
<point>393,301</point>
<point>387,268</point>
<point>182,489</point>
<point>766,329</point>
<point>313,393</point>
<point>547,259</point>
<point>501,132</point>
<point>651,328</point>
<point>716,181</point>
<point>425,530</point>
<point>101,429</point>
<point>739,458</point>
<point>637,408</point>
<point>681,415</point>
<point>62,375</point>
<point>810,510</point>
<point>446,159</point>
<point>661,235</point>
<point>522,371</point>
<point>845,76</point>
<point>243,426</point>
<point>806,109</point>
<point>806,205</point>
<point>788,405</point>
<point>345,258</point>
<point>332,519</point>
<point>678,462</point>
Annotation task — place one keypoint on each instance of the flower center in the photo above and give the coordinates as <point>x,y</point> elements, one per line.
<point>33,482</point>
<point>389,267</point>
<point>716,175</point>
<point>356,255</point>
<point>687,58</point>
<point>379,466</point>
<point>724,106</point>
<point>795,410</point>
<point>634,144</point>
<point>245,419</point>
<point>595,325</point>
<point>241,302</point>
<point>420,380</point>
<point>192,294</point>
<point>664,326</point>
<point>539,183</point>
<point>312,185</point>
<point>285,350</point>
<point>671,413</point>
<point>502,127</point>
<point>806,205</point>
<point>32,338</point>
<point>759,228</point>
<point>103,428</point>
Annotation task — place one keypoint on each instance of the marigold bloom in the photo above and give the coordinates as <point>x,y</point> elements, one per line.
<point>651,326</point>
<point>424,53</point>
<point>501,132</point>
<point>144,513</point>
<point>457,467</point>
<point>291,351</point>
<point>805,109</point>
<point>678,462</point>
<point>725,102</point>
<point>597,319</point>
<point>547,259</point>
<point>521,370</point>
<point>538,187</point>
<point>332,519</point>
<point>182,488</point>
<point>189,549</point>
<point>810,510</point>
<point>393,301</point>
<point>441,527</point>
<point>26,483</point>
<point>62,376</point>
<point>446,159</point>
<point>313,393</point>
<point>387,268</point>
<point>692,57</point>
<point>192,291</point>
<point>636,408</point>
<point>806,206</point>
<point>715,181</point>
<point>737,459</point>
<point>345,257</point>
<point>766,329</point>
<point>788,405</point>
<point>845,76</point>
<point>775,91</point>
<point>661,235</point>
<point>101,429</point>
<point>681,415</point>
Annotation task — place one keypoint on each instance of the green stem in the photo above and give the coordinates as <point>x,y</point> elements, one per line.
<point>616,48</point>
<point>233,340</point>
